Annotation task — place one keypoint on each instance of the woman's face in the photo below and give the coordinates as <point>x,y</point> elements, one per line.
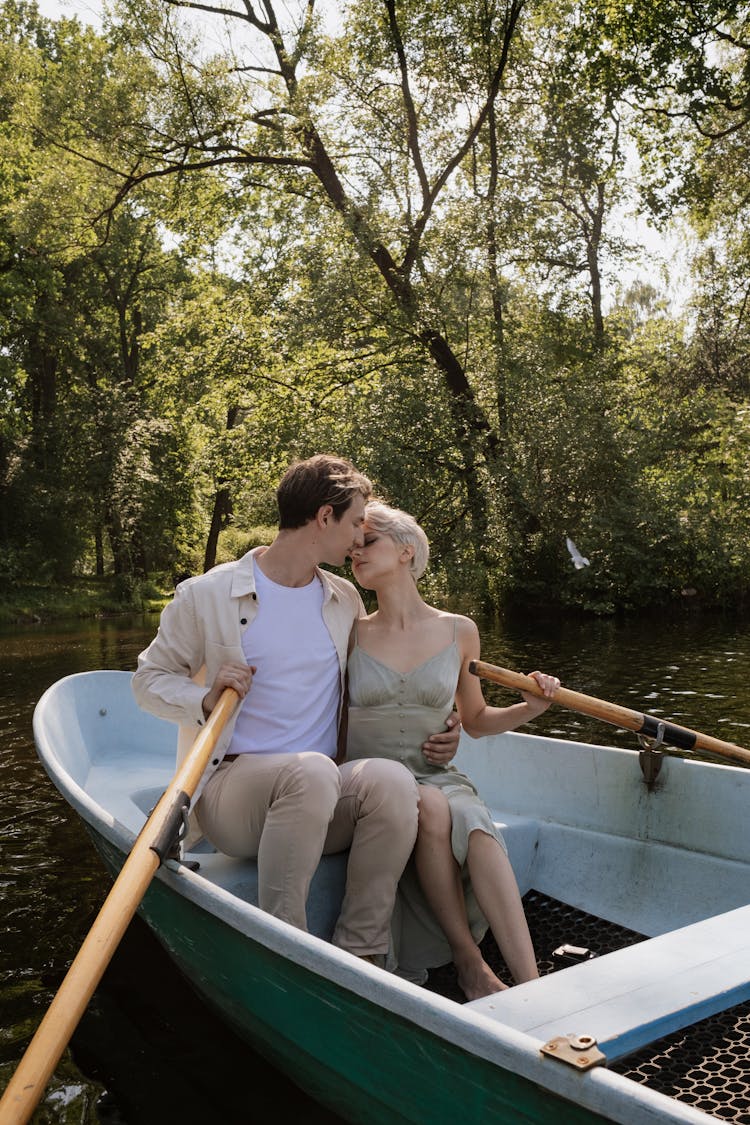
<point>379,557</point>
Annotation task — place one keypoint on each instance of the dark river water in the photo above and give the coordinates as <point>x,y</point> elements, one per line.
<point>147,1050</point>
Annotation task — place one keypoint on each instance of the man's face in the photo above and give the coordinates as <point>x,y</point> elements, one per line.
<point>339,537</point>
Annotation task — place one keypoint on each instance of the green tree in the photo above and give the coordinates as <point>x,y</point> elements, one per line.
<point>77,298</point>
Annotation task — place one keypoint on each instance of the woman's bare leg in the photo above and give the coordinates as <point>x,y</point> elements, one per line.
<point>440,878</point>
<point>500,901</point>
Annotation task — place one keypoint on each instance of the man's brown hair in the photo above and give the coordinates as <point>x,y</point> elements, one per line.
<point>309,485</point>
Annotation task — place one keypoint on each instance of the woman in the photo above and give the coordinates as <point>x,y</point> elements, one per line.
<point>407,664</point>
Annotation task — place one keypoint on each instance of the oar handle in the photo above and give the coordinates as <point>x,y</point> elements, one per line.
<point>573,700</point>
<point>64,1013</point>
<point>613,713</point>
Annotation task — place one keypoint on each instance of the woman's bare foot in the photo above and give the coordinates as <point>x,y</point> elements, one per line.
<point>475,978</point>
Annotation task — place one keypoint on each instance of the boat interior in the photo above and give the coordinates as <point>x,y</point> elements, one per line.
<point>637,886</point>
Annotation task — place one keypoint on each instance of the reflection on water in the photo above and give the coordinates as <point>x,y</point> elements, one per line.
<point>136,1057</point>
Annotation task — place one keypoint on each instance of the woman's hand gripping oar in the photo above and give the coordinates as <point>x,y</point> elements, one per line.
<point>154,840</point>
<point>646,725</point>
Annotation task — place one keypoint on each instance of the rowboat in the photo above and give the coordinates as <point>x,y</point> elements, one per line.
<point>637,865</point>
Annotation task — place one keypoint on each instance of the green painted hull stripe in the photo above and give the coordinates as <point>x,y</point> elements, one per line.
<point>364,1062</point>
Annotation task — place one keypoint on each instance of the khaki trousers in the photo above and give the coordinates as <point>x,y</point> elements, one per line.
<point>289,809</point>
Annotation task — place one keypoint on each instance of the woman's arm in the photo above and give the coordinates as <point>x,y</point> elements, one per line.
<point>477,717</point>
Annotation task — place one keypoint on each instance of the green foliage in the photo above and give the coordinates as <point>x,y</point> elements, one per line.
<point>233,543</point>
<point>388,237</point>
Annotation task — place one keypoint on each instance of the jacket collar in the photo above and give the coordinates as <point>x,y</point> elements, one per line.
<point>243,579</point>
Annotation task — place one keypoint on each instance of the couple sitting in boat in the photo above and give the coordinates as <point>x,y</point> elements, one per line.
<point>288,637</point>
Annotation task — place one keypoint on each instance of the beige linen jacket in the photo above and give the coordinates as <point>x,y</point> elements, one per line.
<point>200,630</point>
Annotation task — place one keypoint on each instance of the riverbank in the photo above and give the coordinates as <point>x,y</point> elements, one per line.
<point>81,598</point>
<point>114,596</point>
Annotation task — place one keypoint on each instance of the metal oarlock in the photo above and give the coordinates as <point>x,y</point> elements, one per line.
<point>167,841</point>
<point>651,758</point>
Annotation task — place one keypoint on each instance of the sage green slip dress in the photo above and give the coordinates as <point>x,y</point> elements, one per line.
<point>390,715</point>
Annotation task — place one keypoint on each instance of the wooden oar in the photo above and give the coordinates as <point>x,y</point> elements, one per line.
<point>157,835</point>
<point>647,725</point>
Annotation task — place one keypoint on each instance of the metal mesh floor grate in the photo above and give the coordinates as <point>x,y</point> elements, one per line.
<point>706,1066</point>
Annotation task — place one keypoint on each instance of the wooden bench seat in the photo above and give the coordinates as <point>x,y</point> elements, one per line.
<point>631,997</point>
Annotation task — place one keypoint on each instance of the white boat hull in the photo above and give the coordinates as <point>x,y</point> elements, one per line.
<point>672,863</point>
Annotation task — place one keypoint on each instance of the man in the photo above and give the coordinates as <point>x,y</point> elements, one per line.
<point>275,627</point>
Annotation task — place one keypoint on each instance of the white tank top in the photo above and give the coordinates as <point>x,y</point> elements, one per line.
<point>293,702</point>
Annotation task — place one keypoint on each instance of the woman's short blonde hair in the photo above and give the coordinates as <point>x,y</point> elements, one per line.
<point>402,528</point>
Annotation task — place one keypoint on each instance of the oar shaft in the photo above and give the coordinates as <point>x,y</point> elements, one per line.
<point>61,1019</point>
<point>613,713</point>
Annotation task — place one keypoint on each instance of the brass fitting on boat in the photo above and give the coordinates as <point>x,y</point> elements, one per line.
<point>579,1051</point>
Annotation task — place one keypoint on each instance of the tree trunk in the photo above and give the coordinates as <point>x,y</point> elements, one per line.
<point>593,244</point>
<point>120,555</point>
<point>222,512</point>
<point>220,517</point>
<point>99,550</point>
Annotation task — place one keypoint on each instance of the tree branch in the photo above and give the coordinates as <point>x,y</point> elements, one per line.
<point>411,113</point>
<point>512,16</point>
<point>216,10</point>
